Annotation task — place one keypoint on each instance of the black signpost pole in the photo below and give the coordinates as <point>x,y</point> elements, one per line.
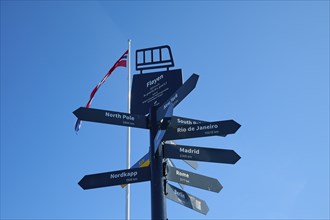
<point>158,199</point>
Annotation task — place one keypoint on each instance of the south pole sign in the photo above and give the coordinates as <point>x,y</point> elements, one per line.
<point>154,98</point>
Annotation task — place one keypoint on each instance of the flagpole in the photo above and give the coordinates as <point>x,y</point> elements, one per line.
<point>128,187</point>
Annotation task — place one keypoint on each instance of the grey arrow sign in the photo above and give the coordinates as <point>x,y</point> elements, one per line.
<point>115,178</point>
<point>177,195</point>
<point>193,179</point>
<point>169,162</point>
<point>179,95</point>
<point>218,128</point>
<point>200,154</point>
<point>111,117</point>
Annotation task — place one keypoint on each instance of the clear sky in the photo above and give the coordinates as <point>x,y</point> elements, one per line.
<point>264,64</point>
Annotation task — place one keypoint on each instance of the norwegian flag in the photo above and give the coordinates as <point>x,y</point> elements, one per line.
<point>121,62</point>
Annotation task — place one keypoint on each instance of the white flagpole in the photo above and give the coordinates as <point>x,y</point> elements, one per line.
<point>128,187</point>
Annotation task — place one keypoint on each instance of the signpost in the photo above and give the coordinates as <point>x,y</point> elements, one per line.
<point>200,154</point>
<point>218,128</point>
<point>118,177</point>
<point>158,94</point>
<point>111,117</point>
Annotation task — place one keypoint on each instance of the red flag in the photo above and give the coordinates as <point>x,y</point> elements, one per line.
<point>122,61</point>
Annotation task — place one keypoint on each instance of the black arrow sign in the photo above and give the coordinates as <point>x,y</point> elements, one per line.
<point>191,163</point>
<point>200,154</point>
<point>115,178</point>
<point>111,117</point>
<point>179,95</point>
<point>177,195</point>
<point>219,128</point>
<point>143,162</point>
<point>193,179</point>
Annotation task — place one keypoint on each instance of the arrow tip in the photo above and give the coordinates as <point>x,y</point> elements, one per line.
<point>195,75</point>
<point>82,183</point>
<point>219,187</point>
<point>76,112</point>
<point>206,209</point>
<point>232,157</point>
<point>236,125</point>
<point>238,157</point>
<point>232,126</point>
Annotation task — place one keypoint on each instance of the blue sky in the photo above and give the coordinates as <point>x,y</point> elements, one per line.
<point>264,64</point>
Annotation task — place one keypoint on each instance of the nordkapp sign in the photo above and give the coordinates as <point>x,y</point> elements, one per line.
<point>119,177</point>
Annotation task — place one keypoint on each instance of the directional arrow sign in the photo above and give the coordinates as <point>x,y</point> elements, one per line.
<point>169,162</point>
<point>191,163</point>
<point>143,162</point>
<point>179,95</point>
<point>200,154</point>
<point>177,195</point>
<point>115,178</point>
<point>111,117</point>
<point>193,179</point>
<point>219,128</point>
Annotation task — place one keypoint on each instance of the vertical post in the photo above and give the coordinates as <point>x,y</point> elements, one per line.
<point>128,158</point>
<point>158,200</point>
